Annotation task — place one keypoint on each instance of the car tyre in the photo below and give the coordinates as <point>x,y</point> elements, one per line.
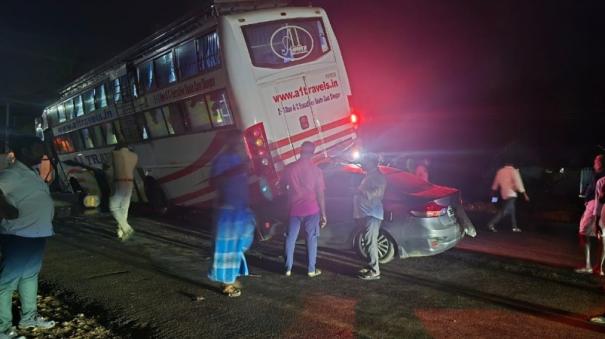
<point>386,247</point>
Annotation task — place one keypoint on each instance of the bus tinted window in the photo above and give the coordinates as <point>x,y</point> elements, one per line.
<point>134,91</point>
<point>110,135</point>
<point>61,112</point>
<point>146,77</point>
<point>63,144</point>
<point>174,119</point>
<point>89,101</point>
<point>209,51</point>
<point>219,109</point>
<point>100,98</point>
<point>78,106</point>
<point>187,59</point>
<point>286,43</point>
<point>155,123</point>
<point>142,127</point>
<point>97,135</point>
<point>87,138</point>
<point>76,138</point>
<point>69,109</point>
<point>51,116</point>
<point>165,70</point>
<point>128,129</point>
<point>117,90</point>
<point>196,112</point>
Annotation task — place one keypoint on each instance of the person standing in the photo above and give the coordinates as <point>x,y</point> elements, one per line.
<point>234,222</point>
<point>124,164</point>
<point>508,181</point>
<point>305,185</point>
<point>27,210</point>
<point>600,223</point>
<point>368,213</point>
<point>588,222</point>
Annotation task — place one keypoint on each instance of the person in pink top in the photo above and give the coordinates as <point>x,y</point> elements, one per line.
<point>305,186</point>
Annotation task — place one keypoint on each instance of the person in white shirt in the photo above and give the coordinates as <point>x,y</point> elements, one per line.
<point>508,181</point>
<point>124,164</point>
<point>26,210</point>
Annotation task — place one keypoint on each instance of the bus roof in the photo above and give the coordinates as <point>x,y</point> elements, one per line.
<point>187,23</point>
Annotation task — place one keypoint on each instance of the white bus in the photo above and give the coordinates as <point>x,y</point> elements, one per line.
<point>276,73</point>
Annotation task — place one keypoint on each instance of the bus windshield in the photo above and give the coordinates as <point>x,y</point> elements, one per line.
<point>285,43</point>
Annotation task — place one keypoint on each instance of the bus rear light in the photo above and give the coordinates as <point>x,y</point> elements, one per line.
<point>430,210</point>
<point>354,118</point>
<point>259,152</point>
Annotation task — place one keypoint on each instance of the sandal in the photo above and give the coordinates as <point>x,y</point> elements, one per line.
<point>232,291</point>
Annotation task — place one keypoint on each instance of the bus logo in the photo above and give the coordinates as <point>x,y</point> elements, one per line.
<point>291,43</point>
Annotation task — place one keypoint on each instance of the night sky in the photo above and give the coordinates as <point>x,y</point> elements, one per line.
<point>441,73</point>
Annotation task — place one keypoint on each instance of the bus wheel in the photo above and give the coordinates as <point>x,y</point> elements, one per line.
<point>155,196</point>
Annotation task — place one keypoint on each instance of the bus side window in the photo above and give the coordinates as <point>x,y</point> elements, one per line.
<point>76,138</point>
<point>110,135</point>
<point>187,59</point>
<point>78,106</point>
<point>146,77</point>
<point>174,119</point>
<point>117,128</point>
<point>209,52</point>
<point>142,127</point>
<point>61,112</point>
<point>87,138</point>
<point>165,70</point>
<point>63,144</point>
<point>100,97</point>
<point>196,113</point>
<point>69,109</point>
<point>128,129</point>
<point>219,109</point>
<point>97,135</point>
<point>155,123</point>
<point>89,101</point>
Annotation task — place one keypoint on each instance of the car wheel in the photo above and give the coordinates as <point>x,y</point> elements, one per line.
<point>386,247</point>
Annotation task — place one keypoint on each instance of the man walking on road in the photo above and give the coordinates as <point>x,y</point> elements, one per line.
<point>588,222</point>
<point>234,223</point>
<point>124,163</point>
<point>508,181</point>
<point>368,213</point>
<point>27,210</point>
<point>305,184</point>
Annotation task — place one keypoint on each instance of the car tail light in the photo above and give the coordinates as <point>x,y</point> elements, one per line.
<point>258,150</point>
<point>429,210</point>
<point>354,118</point>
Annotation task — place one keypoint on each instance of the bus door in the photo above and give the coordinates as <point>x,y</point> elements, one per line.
<point>291,118</point>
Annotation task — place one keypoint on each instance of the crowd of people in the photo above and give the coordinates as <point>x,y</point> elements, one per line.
<point>26,210</point>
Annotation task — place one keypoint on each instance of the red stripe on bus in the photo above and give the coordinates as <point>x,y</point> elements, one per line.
<point>213,149</point>
<point>287,155</point>
<point>300,136</point>
<point>192,195</point>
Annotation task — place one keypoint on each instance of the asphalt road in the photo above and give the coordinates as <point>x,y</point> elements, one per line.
<point>145,287</point>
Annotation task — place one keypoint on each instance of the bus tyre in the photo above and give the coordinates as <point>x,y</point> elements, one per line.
<point>386,247</point>
<point>155,196</point>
